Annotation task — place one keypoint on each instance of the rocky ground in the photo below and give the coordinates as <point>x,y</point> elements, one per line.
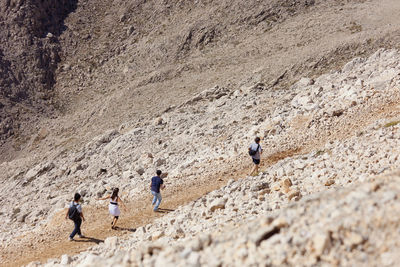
<point>342,124</point>
<point>133,97</point>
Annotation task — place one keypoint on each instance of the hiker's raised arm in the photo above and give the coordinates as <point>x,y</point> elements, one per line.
<point>104,198</point>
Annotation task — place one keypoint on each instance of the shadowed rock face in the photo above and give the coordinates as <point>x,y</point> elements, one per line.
<point>29,53</point>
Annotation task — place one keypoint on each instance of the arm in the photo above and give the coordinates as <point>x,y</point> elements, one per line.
<point>123,204</point>
<point>66,214</point>
<point>104,198</point>
<point>83,217</point>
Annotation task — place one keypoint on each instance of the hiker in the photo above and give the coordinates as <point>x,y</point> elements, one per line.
<point>255,152</point>
<point>156,184</point>
<point>113,206</point>
<point>75,214</point>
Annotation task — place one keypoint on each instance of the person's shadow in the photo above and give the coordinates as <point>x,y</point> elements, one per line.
<point>89,239</point>
<point>124,229</point>
<point>164,210</point>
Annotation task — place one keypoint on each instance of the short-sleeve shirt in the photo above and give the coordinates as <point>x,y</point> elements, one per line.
<point>156,182</point>
<point>254,146</point>
<point>78,206</point>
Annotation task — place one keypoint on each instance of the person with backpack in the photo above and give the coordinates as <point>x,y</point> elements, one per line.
<point>75,214</point>
<point>113,206</point>
<point>156,184</point>
<point>255,152</point>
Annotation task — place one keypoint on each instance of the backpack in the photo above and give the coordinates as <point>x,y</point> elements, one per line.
<point>73,212</point>
<point>253,152</point>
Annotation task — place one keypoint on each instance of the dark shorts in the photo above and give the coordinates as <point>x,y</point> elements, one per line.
<point>116,217</point>
<point>256,161</point>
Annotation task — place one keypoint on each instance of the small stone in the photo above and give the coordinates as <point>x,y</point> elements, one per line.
<point>337,113</point>
<point>329,182</point>
<point>320,243</point>
<point>160,162</point>
<point>276,187</point>
<point>218,203</point>
<point>130,30</point>
<point>127,175</point>
<point>157,235</point>
<point>353,239</point>
<point>230,181</point>
<point>286,184</point>
<point>280,222</point>
<point>294,193</point>
<point>375,187</point>
<point>158,121</point>
<point>140,171</point>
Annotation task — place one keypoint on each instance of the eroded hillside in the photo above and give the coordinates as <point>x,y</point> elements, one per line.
<point>119,61</point>
<point>184,87</point>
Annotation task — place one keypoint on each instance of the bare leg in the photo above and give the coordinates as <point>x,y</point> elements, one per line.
<point>115,222</point>
<point>253,169</point>
<point>256,169</point>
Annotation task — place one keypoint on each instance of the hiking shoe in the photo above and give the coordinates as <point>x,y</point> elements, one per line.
<point>70,239</point>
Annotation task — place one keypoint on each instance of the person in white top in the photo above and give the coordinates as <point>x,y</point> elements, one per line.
<point>113,207</point>
<point>255,152</point>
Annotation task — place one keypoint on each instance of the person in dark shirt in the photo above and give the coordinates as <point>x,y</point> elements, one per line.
<point>256,157</point>
<point>156,184</point>
<point>75,214</point>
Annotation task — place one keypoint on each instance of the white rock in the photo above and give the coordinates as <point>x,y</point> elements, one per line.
<point>65,259</point>
<point>218,203</point>
<point>111,242</point>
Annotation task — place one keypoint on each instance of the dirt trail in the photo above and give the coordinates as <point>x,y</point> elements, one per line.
<point>52,242</point>
<point>53,238</point>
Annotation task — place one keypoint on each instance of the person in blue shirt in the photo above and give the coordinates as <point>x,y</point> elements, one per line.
<point>156,184</point>
<point>255,152</point>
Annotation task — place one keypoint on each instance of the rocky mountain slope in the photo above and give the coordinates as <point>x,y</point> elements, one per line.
<point>132,97</point>
<point>119,61</point>
<point>29,55</point>
<point>357,101</point>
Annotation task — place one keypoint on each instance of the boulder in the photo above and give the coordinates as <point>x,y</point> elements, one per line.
<point>65,259</point>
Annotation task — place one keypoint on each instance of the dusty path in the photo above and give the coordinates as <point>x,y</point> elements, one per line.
<point>52,242</point>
